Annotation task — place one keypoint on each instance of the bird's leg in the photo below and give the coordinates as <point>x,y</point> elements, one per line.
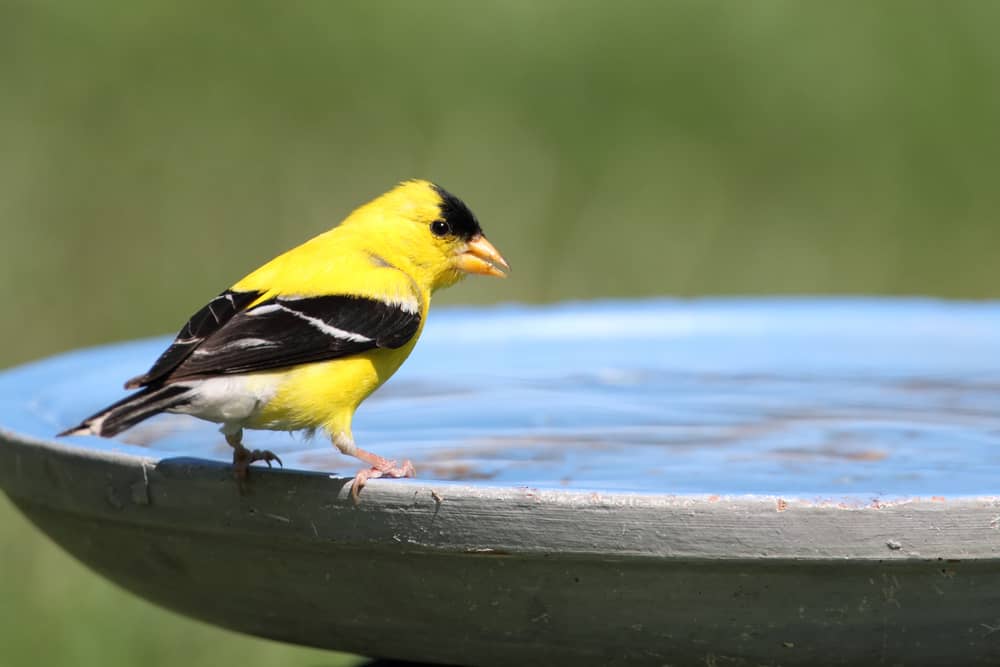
<point>243,457</point>
<point>380,467</point>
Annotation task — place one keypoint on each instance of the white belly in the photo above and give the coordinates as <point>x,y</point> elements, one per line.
<point>230,400</point>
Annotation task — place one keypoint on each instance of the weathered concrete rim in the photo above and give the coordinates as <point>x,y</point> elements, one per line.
<point>199,495</point>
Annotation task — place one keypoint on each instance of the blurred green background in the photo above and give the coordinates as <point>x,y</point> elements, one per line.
<point>151,153</point>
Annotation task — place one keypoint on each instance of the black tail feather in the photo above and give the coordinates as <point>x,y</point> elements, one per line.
<point>131,410</point>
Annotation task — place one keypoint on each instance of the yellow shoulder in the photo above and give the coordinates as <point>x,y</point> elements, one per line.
<point>332,263</point>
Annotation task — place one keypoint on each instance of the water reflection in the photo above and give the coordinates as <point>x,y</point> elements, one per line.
<point>800,412</point>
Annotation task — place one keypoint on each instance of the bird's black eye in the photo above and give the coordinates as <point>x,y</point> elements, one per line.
<point>440,228</point>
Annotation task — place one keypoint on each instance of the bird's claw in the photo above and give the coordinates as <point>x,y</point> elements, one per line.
<point>266,456</point>
<point>243,457</point>
<point>389,469</point>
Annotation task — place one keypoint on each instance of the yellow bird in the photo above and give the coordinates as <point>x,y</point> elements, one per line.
<point>303,340</point>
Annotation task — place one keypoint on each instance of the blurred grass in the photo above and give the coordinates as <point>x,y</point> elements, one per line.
<point>151,153</point>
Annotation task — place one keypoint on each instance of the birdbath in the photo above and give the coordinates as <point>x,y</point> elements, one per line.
<point>734,482</point>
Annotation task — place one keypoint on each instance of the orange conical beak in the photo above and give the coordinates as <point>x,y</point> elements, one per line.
<point>481,257</point>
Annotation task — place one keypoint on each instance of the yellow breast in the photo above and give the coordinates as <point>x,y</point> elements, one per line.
<point>325,395</point>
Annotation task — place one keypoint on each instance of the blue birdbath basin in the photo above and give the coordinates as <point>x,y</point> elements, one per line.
<point>651,482</point>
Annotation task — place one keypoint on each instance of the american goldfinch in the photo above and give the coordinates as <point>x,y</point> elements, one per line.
<point>303,340</point>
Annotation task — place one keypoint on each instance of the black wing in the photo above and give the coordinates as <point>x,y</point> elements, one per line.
<point>202,324</point>
<point>288,331</point>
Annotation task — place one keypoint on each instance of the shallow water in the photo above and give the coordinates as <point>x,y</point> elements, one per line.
<point>831,399</point>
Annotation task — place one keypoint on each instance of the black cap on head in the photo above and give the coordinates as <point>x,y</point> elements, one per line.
<point>462,221</point>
